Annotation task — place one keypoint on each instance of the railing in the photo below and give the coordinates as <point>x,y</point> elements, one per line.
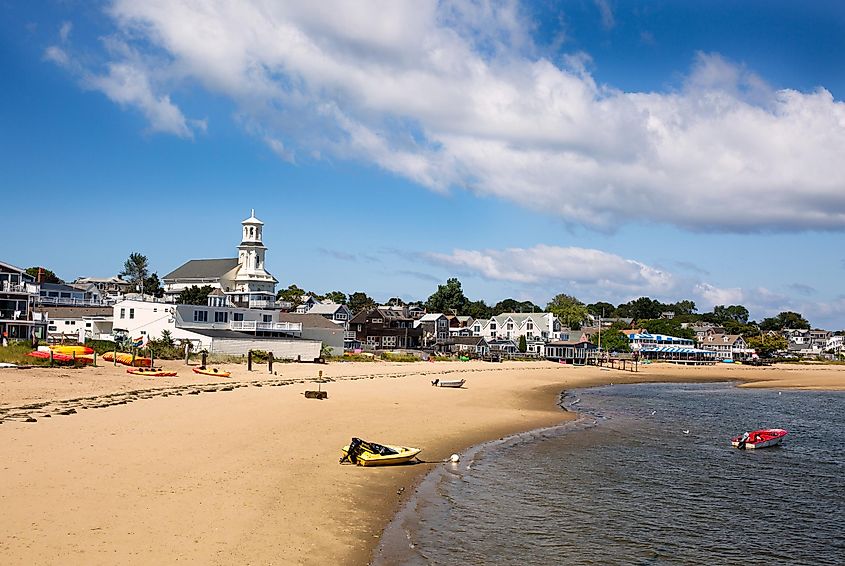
<point>253,326</point>
<point>7,287</point>
<point>70,301</point>
<point>261,304</point>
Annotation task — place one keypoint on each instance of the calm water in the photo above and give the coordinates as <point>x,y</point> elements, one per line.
<point>625,486</point>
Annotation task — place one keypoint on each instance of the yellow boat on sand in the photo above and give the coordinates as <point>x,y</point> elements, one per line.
<point>369,454</point>
<point>212,371</point>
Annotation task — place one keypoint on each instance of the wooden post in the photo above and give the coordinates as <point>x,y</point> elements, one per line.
<point>114,359</point>
<point>249,361</point>
<point>152,358</point>
<point>51,357</point>
<point>187,352</point>
<point>134,351</point>
<point>204,354</point>
<point>94,363</point>
<point>270,361</point>
<point>73,354</point>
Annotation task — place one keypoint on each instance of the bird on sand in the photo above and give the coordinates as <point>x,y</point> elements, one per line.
<point>685,431</point>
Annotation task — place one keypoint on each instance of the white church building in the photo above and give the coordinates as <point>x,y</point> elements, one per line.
<point>240,312</point>
<point>242,281</point>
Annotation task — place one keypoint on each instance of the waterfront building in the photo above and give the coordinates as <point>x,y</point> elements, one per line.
<point>18,295</point>
<point>244,280</point>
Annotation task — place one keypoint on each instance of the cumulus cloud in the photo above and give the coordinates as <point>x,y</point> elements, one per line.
<point>453,96</point>
<point>582,268</point>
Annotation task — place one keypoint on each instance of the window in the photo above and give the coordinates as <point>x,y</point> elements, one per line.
<point>200,316</point>
<point>388,340</point>
<point>131,314</point>
<point>221,316</point>
<point>238,316</point>
<point>87,325</point>
<point>492,326</point>
<point>122,313</point>
<point>376,321</point>
<point>510,326</point>
<point>441,323</point>
<point>372,341</point>
<point>267,318</point>
<point>529,326</point>
<point>340,316</point>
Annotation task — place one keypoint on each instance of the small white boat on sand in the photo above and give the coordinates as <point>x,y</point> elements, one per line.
<point>762,438</point>
<point>455,383</point>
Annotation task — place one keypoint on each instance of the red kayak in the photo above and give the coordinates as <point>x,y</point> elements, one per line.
<point>762,438</point>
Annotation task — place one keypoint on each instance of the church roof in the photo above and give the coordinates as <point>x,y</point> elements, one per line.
<point>202,269</point>
<point>252,219</point>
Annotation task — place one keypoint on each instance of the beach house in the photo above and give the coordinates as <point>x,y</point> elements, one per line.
<point>727,346</point>
<point>538,328</point>
<point>18,295</point>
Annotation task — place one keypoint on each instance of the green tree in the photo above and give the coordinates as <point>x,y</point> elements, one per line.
<point>523,344</point>
<point>167,338</point>
<point>732,313</point>
<point>292,294</point>
<point>46,276</point>
<point>767,344</point>
<point>682,308</point>
<point>194,295</point>
<point>568,309</point>
<point>360,301</point>
<point>338,297</point>
<point>152,286</point>
<point>669,327</point>
<point>449,297</point>
<point>136,269</point>
<point>786,319</point>
<point>602,309</point>
<point>612,340</point>
<point>478,310</point>
<point>512,305</point>
<point>642,308</point>
<point>396,302</point>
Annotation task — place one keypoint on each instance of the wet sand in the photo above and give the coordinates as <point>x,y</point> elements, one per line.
<point>245,469</point>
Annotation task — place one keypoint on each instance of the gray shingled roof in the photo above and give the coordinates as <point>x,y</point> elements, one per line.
<point>203,269</point>
<point>309,320</point>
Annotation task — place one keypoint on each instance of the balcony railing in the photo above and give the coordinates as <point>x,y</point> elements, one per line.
<point>261,304</point>
<point>6,287</point>
<point>253,326</point>
<point>71,302</point>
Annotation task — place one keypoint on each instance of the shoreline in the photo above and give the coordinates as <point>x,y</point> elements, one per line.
<point>256,477</point>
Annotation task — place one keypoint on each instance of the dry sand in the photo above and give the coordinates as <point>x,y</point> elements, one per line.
<point>245,470</point>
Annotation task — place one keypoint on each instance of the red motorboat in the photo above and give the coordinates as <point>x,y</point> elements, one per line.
<point>762,438</point>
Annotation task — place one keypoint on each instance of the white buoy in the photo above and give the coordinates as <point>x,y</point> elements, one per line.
<point>454,458</point>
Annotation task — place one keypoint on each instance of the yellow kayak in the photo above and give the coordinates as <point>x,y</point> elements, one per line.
<point>71,350</point>
<point>212,371</point>
<point>371,454</point>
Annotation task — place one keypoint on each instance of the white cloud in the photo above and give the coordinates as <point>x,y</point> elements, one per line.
<point>579,268</point>
<point>129,85</point>
<point>451,95</point>
<point>607,19</point>
<point>64,31</point>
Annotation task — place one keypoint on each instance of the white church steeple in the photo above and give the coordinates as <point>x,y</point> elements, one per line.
<point>252,279</point>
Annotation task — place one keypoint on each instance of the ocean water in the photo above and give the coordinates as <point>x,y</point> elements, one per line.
<point>624,484</point>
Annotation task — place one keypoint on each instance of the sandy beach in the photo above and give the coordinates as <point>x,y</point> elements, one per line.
<point>121,469</point>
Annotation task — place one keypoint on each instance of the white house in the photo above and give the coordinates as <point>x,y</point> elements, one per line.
<point>67,322</point>
<point>538,328</point>
<point>332,311</point>
<point>243,280</point>
<point>228,330</point>
<point>727,346</point>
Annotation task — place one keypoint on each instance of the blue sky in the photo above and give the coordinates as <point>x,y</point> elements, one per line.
<point>601,148</point>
